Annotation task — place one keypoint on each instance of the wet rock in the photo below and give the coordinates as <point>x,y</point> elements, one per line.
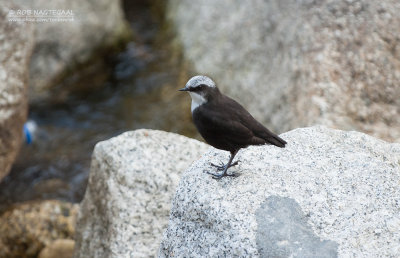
<point>16,46</point>
<point>29,227</point>
<point>132,181</point>
<point>69,55</point>
<point>283,231</point>
<point>300,63</point>
<point>329,193</point>
<point>60,248</point>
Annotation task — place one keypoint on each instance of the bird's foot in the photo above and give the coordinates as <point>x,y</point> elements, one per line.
<point>219,176</point>
<point>223,166</point>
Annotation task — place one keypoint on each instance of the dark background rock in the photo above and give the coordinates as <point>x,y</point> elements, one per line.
<point>16,44</point>
<point>70,56</point>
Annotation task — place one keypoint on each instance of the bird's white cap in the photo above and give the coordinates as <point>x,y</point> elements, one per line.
<point>198,80</point>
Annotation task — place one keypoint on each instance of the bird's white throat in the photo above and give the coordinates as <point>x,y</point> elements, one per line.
<point>197,100</point>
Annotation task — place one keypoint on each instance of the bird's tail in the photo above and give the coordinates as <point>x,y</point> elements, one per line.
<point>276,140</point>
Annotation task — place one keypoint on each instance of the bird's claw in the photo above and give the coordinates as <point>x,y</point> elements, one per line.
<point>219,176</point>
<point>223,166</point>
<point>219,167</point>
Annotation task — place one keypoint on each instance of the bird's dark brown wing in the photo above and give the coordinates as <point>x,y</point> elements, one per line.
<point>222,129</point>
<point>248,121</point>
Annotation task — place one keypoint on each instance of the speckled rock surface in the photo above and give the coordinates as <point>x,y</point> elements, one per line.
<point>29,227</point>
<point>329,193</point>
<point>132,181</point>
<point>63,49</point>
<point>16,44</point>
<point>300,63</point>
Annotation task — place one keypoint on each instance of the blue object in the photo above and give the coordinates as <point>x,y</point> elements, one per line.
<point>27,133</point>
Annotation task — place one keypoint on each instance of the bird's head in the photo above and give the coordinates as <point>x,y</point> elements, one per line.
<point>201,88</point>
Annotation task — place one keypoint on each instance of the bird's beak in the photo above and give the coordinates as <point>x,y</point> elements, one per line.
<point>184,89</point>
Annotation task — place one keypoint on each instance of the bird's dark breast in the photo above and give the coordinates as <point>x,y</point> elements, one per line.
<point>222,130</point>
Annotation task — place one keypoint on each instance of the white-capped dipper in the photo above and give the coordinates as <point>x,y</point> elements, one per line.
<point>224,123</point>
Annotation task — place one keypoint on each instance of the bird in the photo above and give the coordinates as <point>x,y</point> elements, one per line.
<point>224,123</point>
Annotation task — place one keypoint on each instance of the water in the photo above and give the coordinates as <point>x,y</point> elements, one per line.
<point>141,92</point>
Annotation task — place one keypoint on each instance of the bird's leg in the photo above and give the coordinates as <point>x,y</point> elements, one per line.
<point>225,167</point>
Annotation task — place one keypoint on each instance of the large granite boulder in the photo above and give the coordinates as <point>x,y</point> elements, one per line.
<point>16,44</point>
<point>69,55</point>
<point>299,63</point>
<point>132,181</point>
<point>329,193</point>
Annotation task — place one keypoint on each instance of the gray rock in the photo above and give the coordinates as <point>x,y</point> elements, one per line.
<point>16,44</point>
<point>63,49</point>
<point>328,193</point>
<point>299,63</point>
<point>127,202</point>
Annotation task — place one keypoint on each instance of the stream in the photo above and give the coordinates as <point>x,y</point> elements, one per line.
<point>141,92</point>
